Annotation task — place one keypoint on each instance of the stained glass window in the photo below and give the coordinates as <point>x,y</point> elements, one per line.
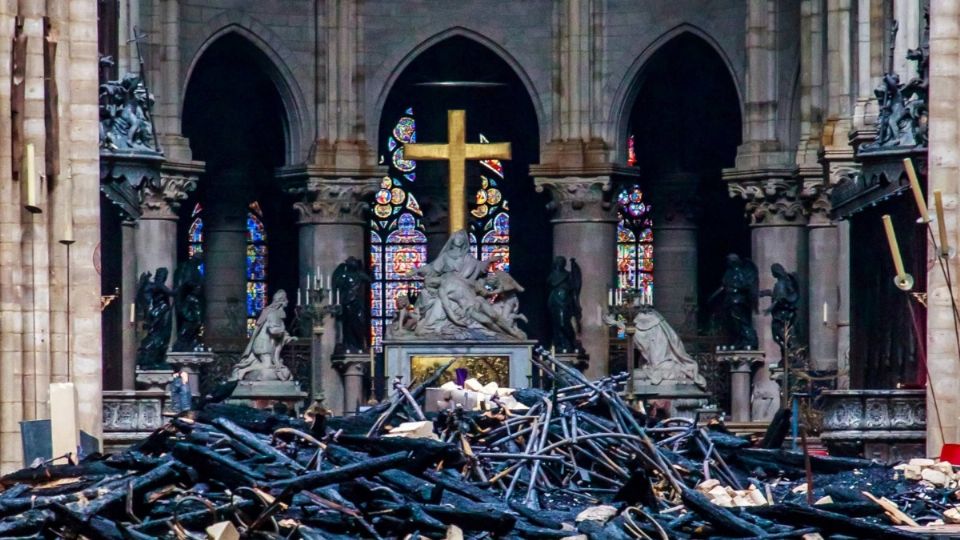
<point>634,242</point>
<point>490,226</point>
<point>397,241</point>
<point>631,151</point>
<point>195,234</point>
<point>256,266</point>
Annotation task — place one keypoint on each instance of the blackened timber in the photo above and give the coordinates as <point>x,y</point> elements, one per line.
<point>212,465</point>
<point>314,480</point>
<point>720,517</point>
<point>254,442</point>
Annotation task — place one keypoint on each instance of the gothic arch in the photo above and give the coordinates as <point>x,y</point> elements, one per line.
<point>629,87</point>
<point>297,133</point>
<point>459,31</point>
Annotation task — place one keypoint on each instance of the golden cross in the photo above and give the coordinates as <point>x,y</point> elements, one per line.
<point>456,152</point>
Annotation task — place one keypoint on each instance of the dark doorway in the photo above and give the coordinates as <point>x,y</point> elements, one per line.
<point>686,119</point>
<point>459,73</point>
<point>235,120</point>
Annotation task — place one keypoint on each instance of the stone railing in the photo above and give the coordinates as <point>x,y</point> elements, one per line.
<point>886,425</point>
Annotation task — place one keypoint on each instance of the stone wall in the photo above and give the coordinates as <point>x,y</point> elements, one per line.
<point>34,321</point>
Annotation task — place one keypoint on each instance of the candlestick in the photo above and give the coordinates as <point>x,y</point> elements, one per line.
<point>915,187</point>
<point>298,296</point>
<point>941,223</point>
<point>133,312</point>
<point>609,297</point>
<point>824,313</point>
<point>308,293</point>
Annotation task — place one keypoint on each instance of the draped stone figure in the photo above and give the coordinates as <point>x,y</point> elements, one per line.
<point>666,359</point>
<point>153,307</point>
<point>563,303</point>
<point>260,361</point>
<point>460,299</point>
<point>352,284</point>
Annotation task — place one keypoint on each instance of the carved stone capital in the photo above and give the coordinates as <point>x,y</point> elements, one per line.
<point>816,199</point>
<point>325,200</point>
<point>160,197</point>
<point>771,201</point>
<point>577,198</point>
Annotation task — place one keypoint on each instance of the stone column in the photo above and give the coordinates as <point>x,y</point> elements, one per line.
<point>674,206</point>
<point>128,295</point>
<point>332,227</point>
<point>224,254</point>
<point>352,372</point>
<point>823,265</point>
<point>778,235</point>
<point>944,168</point>
<point>585,228</point>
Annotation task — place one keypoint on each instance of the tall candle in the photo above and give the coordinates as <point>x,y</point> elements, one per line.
<point>824,313</point>
<point>308,293</point>
<point>133,312</point>
<point>610,297</point>
<point>298,296</point>
<point>894,247</point>
<point>915,187</point>
<point>941,223</point>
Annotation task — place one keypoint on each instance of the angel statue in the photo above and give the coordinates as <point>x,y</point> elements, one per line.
<point>352,282</point>
<point>260,361</point>
<point>783,307</point>
<point>563,303</point>
<point>153,309</point>
<point>188,302</point>
<point>740,294</point>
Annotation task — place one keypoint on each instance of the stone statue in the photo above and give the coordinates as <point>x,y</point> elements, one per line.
<point>352,283</point>
<point>260,361</point>
<point>739,290</point>
<point>765,400</point>
<point>405,318</point>
<point>125,123</point>
<point>153,307</point>
<point>667,361</point>
<point>188,302</point>
<point>460,299</point>
<point>563,303</point>
<point>783,307</point>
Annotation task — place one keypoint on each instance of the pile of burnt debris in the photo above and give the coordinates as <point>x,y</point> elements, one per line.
<point>572,462</point>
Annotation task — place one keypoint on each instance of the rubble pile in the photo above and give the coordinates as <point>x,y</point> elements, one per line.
<point>573,462</point>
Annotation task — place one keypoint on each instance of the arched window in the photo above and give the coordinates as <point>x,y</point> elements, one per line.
<point>256,266</point>
<point>491,223</point>
<point>634,242</point>
<point>397,241</point>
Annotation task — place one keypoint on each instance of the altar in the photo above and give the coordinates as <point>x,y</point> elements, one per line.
<point>506,362</point>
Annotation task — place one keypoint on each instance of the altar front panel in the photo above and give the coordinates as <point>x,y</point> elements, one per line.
<point>410,358</point>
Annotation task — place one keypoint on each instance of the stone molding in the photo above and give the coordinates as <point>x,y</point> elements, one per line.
<point>771,201</point>
<point>160,197</point>
<point>341,200</point>
<point>816,199</point>
<point>579,199</point>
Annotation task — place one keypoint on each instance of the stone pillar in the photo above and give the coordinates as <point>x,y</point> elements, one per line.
<point>224,254</point>
<point>332,227</point>
<point>585,228</point>
<point>128,295</point>
<point>822,251</point>
<point>352,372</point>
<point>944,169</point>
<point>843,305</point>
<point>778,235</point>
<point>674,206</point>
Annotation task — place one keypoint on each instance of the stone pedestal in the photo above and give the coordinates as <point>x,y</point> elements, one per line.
<point>191,362</point>
<point>129,416</point>
<point>352,368</point>
<point>685,399</point>
<point>741,368</point>
<point>264,394</point>
<point>154,379</point>
<point>888,425</point>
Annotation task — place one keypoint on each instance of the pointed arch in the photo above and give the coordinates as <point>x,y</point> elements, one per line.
<point>493,46</point>
<point>297,132</point>
<point>629,87</point>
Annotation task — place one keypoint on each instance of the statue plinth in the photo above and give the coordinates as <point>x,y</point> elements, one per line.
<point>191,362</point>
<point>352,367</point>
<point>264,394</point>
<point>741,363</point>
<point>153,379</point>
<point>400,354</point>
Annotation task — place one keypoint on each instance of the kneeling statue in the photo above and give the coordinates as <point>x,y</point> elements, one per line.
<point>260,361</point>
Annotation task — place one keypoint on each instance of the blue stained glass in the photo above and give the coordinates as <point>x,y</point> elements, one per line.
<point>411,177</point>
<point>634,241</point>
<point>256,262</point>
<point>255,232</point>
<point>391,144</point>
<point>196,231</point>
<point>256,297</point>
<point>376,294</point>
